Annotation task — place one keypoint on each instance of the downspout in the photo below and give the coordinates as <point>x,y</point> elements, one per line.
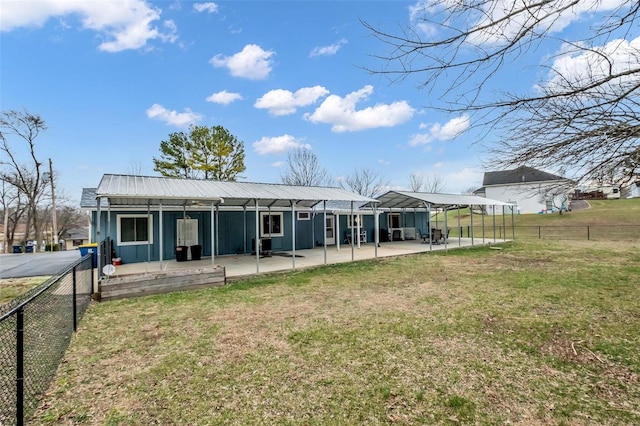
<point>446,230</point>
<point>459,229</point>
<point>472,233</point>
<point>244,229</point>
<point>337,226</point>
<point>149,237</point>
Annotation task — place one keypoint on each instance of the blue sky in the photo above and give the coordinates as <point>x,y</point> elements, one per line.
<point>112,79</point>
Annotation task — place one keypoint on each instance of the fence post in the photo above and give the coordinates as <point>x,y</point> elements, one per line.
<point>75,313</point>
<point>539,233</point>
<point>20,366</point>
<point>588,233</point>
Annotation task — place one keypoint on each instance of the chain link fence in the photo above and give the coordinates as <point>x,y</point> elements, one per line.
<point>572,232</point>
<point>35,330</point>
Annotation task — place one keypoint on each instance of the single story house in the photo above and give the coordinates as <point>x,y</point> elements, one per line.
<point>528,190</point>
<point>158,218</point>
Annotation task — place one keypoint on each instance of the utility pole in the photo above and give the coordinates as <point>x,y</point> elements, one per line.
<point>53,206</point>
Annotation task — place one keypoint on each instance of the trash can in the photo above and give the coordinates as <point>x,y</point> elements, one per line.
<point>28,249</point>
<point>17,249</point>
<point>181,253</point>
<point>196,252</point>
<point>90,248</point>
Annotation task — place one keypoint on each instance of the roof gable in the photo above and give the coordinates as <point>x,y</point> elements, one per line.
<point>520,175</point>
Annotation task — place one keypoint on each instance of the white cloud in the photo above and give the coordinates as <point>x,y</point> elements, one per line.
<point>252,62</point>
<point>173,118</point>
<point>438,132</point>
<point>278,144</point>
<point>577,67</point>
<point>278,164</point>
<point>341,113</point>
<point>224,97</point>
<point>209,7</point>
<point>327,50</point>
<point>284,102</point>
<point>127,24</point>
<point>557,17</point>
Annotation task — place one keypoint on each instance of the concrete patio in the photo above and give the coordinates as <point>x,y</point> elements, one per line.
<point>246,265</point>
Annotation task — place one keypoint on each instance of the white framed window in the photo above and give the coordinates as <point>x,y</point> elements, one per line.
<point>134,229</point>
<point>354,221</point>
<point>271,225</point>
<point>304,215</point>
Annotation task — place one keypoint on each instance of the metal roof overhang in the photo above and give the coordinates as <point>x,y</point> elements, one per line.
<point>405,199</point>
<point>122,190</point>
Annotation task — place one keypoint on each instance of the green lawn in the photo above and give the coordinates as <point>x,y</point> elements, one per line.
<point>535,333</point>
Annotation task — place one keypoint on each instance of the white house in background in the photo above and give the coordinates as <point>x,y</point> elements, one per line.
<point>528,189</point>
<point>631,190</point>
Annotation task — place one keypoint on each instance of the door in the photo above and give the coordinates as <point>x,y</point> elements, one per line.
<point>187,232</point>
<point>330,230</point>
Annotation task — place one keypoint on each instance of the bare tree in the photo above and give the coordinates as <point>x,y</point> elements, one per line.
<point>304,169</point>
<point>13,209</point>
<point>26,177</point>
<point>365,182</point>
<point>426,183</point>
<point>416,182</point>
<point>583,113</point>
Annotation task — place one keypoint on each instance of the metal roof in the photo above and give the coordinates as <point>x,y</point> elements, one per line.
<point>127,190</point>
<point>522,174</point>
<point>406,199</point>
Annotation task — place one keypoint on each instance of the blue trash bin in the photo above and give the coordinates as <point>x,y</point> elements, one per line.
<point>28,249</point>
<point>17,249</point>
<point>90,248</point>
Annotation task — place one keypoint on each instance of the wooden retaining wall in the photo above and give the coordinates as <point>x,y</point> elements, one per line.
<point>162,282</point>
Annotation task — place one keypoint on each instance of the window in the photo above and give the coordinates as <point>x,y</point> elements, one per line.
<point>134,229</point>
<point>271,225</point>
<point>304,216</point>
<point>354,221</point>
<point>549,205</point>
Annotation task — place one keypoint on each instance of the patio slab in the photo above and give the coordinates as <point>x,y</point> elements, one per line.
<point>246,265</point>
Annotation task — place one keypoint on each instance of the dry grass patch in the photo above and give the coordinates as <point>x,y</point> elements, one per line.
<point>10,288</point>
<point>531,334</point>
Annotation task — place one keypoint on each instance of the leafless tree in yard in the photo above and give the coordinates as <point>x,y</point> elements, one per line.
<point>304,169</point>
<point>426,183</point>
<point>25,176</point>
<point>365,182</point>
<point>583,113</point>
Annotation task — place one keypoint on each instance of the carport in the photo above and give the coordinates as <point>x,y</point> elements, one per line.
<point>403,200</point>
<point>158,193</point>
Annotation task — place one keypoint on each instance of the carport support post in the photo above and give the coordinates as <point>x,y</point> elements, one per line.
<point>293,233</point>
<point>353,254</point>
<point>482,225</point>
<point>324,229</point>
<point>376,230</point>
<point>337,234</point>
<point>257,237</point>
<point>213,232</point>
<point>160,233</point>
<point>429,226</point>
<point>217,221</point>
<point>446,229</point>
<point>471,211</point>
<point>513,226</point>
<point>98,241</point>
<point>149,237</point>
<point>504,226</point>
<point>459,230</point>
<point>494,223</point>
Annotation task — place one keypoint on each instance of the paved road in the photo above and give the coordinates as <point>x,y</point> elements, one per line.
<point>35,264</point>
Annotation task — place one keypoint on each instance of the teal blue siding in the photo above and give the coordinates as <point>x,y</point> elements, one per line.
<point>230,237</point>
